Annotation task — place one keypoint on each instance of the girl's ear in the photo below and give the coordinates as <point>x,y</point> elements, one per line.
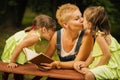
<point>90,25</point>
<point>44,29</point>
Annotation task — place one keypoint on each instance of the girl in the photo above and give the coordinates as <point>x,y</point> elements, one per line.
<point>104,61</point>
<point>43,27</point>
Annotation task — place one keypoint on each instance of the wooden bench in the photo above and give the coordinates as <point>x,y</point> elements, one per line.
<point>31,69</point>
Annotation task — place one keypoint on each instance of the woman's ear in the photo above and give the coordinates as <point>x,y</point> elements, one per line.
<point>65,25</point>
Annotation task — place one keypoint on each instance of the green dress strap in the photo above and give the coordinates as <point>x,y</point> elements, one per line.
<point>38,34</point>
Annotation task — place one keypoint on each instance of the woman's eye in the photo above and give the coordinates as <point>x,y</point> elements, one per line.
<point>76,18</point>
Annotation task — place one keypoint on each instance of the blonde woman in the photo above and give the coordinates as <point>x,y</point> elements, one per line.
<point>71,41</point>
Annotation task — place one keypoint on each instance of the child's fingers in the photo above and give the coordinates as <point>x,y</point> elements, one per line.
<point>12,65</point>
<point>80,71</point>
<point>85,70</point>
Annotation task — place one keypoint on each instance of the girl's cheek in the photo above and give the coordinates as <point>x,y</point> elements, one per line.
<point>50,35</point>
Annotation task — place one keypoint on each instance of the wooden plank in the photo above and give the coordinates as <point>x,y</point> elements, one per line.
<point>31,69</point>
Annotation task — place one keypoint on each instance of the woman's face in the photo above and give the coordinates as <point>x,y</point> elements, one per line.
<point>75,21</point>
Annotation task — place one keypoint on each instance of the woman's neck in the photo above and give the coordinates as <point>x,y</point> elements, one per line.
<point>71,34</point>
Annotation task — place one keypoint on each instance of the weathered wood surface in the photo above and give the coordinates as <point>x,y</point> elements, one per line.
<point>31,69</point>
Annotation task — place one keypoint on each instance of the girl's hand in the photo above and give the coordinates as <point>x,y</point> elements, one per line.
<point>85,70</point>
<point>12,65</point>
<point>78,65</point>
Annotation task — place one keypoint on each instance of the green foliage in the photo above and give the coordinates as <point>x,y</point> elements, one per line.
<point>12,3</point>
<point>109,6</point>
<point>112,9</point>
<point>28,17</point>
<point>41,6</point>
<point>3,38</point>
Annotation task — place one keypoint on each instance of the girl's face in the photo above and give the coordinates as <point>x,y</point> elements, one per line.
<point>48,34</point>
<point>86,24</point>
<point>76,21</point>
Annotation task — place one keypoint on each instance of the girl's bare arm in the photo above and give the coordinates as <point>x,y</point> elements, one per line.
<point>25,43</point>
<point>105,50</point>
<point>89,60</point>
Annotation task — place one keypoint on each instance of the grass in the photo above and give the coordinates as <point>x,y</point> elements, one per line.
<point>40,47</point>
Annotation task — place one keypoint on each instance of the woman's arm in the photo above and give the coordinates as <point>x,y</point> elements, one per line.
<point>86,47</point>
<point>69,64</point>
<point>51,50</point>
<point>84,51</point>
<point>79,65</point>
<point>105,50</point>
<point>66,65</point>
<point>52,46</point>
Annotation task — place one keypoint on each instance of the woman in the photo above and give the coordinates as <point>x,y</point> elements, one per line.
<point>73,43</point>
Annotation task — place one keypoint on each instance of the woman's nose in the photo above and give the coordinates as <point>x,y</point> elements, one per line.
<point>81,20</point>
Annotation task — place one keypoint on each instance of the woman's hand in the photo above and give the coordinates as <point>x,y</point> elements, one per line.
<point>12,65</point>
<point>47,66</point>
<point>78,65</point>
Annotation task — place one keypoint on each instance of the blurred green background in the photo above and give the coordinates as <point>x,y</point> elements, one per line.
<point>15,15</point>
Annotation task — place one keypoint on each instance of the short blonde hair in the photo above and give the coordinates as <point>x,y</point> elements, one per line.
<point>64,12</point>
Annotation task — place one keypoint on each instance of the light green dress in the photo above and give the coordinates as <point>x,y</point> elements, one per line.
<point>11,43</point>
<point>111,70</point>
